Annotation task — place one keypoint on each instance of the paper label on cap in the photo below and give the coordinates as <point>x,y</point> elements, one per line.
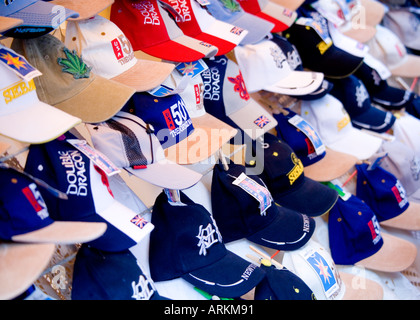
<point>317,27</point>
<point>327,274</point>
<point>192,69</point>
<point>379,157</point>
<point>95,156</point>
<point>18,64</point>
<point>309,132</point>
<point>260,193</point>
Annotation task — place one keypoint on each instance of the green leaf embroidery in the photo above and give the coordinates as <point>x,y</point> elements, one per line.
<point>231,5</point>
<point>74,65</point>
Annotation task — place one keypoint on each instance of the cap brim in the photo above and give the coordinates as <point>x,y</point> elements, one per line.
<point>375,11</point>
<point>37,123</point>
<point>4,146</point>
<point>332,166</point>
<point>145,75</point>
<point>85,9</point>
<point>275,14</point>
<point>21,264</point>
<point>209,135</point>
<point>181,49</point>
<point>298,83</point>
<point>323,89</point>
<point>289,4</point>
<point>222,45</point>
<point>362,35</point>
<point>357,143</point>
<point>64,232</point>
<point>247,118</point>
<point>257,28</point>
<point>223,30</point>
<point>310,197</point>
<point>409,68</point>
<point>7,23</point>
<point>230,277</point>
<point>273,237</point>
<point>167,174</point>
<point>99,102</point>
<point>374,119</point>
<point>395,255</point>
<point>408,220</point>
<point>371,290</point>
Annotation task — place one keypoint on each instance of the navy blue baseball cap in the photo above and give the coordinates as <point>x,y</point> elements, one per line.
<point>387,197</point>
<point>281,284</point>
<point>283,174</point>
<point>186,243</point>
<point>24,216</point>
<point>320,162</point>
<point>355,238</point>
<point>356,100</point>
<point>103,275</point>
<point>90,198</point>
<point>243,208</point>
<point>168,115</point>
<point>295,62</point>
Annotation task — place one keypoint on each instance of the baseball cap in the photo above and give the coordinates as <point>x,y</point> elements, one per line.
<point>209,134</point>
<point>85,10</point>
<point>311,37</point>
<point>281,17</point>
<point>404,164</point>
<point>406,129</point>
<point>151,29</point>
<point>404,23</point>
<point>295,62</point>
<point>103,275</point>
<point>264,67</point>
<point>23,116</point>
<point>281,284</point>
<point>332,122</point>
<point>387,198</point>
<point>356,100</point>
<point>24,216</point>
<point>283,174</point>
<point>315,266</point>
<point>129,142</point>
<point>90,199</point>
<point>198,23</point>
<point>388,48</point>
<point>243,208</point>
<point>344,15</point>
<point>356,238</point>
<point>109,53</point>
<point>187,244</point>
<point>320,163</point>
<point>7,23</point>
<point>39,17</point>
<point>232,12</point>
<point>67,82</point>
<point>21,264</point>
<point>290,4</point>
<point>226,97</point>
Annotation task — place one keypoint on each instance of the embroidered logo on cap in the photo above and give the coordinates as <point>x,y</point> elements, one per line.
<point>144,289</point>
<point>262,121</point>
<point>35,199</point>
<point>122,49</point>
<point>231,5</point>
<point>207,237</point>
<point>361,95</point>
<point>240,86</point>
<point>74,64</point>
<point>400,194</point>
<point>17,90</point>
<point>373,225</point>
<point>297,170</point>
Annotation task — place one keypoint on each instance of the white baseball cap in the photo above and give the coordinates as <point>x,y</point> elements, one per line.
<point>407,130</point>
<point>332,122</point>
<point>24,117</point>
<point>107,50</point>
<point>264,66</point>
<point>388,48</point>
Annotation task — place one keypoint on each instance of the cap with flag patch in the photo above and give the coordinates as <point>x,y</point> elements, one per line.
<point>103,275</point>
<point>226,97</point>
<point>355,238</point>
<point>68,84</point>
<point>387,197</point>
<point>105,48</point>
<point>39,17</point>
<point>23,116</point>
<point>25,217</point>
<point>130,143</point>
<point>281,17</point>
<point>187,243</point>
<point>264,67</point>
<point>243,208</point>
<point>198,23</point>
<point>284,176</point>
<point>151,29</point>
<point>90,198</point>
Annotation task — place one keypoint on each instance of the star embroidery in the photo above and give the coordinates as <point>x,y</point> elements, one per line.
<point>323,271</point>
<point>11,60</point>
<point>311,133</point>
<point>188,68</point>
